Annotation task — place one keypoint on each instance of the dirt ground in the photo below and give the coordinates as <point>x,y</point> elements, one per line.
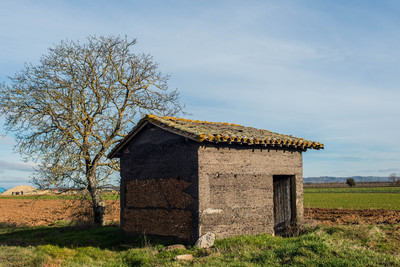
<point>48,211</point>
<point>351,216</point>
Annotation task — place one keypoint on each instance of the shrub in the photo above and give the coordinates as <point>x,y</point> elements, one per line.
<point>350,182</point>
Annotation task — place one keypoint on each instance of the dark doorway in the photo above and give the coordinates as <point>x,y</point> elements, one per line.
<point>284,209</point>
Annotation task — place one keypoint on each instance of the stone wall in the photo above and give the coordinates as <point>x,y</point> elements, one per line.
<point>159,193</point>
<point>236,188</point>
<point>172,186</point>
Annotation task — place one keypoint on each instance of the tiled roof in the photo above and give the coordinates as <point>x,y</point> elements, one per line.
<point>221,132</point>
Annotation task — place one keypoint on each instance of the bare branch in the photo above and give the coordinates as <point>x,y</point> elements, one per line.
<point>81,99</point>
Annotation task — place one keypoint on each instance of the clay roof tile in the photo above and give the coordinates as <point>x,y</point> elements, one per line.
<point>228,132</point>
<point>219,132</point>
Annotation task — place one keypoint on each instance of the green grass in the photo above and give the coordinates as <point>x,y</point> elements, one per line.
<point>106,246</point>
<point>353,198</point>
<point>354,190</point>
<point>352,201</point>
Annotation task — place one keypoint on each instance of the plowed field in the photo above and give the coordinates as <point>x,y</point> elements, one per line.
<point>48,211</point>
<point>351,216</point>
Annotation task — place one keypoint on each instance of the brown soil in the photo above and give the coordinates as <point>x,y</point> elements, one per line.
<point>349,216</point>
<point>48,211</point>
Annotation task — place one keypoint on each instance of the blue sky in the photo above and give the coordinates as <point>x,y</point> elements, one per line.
<point>322,70</point>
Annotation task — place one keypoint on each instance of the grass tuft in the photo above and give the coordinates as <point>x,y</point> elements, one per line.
<point>353,245</point>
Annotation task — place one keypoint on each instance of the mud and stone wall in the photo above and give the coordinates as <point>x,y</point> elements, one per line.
<point>175,187</point>
<point>159,193</point>
<point>236,188</point>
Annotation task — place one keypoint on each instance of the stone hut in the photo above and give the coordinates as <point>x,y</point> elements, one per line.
<point>183,178</point>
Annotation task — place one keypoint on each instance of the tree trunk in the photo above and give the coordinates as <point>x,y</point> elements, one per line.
<point>99,207</point>
<point>99,210</point>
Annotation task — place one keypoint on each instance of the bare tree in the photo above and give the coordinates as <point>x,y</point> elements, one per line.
<point>70,110</point>
<point>395,179</point>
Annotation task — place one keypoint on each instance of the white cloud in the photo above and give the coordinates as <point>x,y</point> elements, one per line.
<point>16,166</point>
<point>324,71</point>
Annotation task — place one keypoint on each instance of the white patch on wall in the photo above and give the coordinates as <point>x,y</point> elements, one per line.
<point>212,211</point>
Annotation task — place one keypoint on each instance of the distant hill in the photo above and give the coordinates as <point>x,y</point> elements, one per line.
<point>332,179</point>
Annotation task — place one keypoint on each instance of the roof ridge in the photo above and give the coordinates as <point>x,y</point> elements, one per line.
<point>152,116</point>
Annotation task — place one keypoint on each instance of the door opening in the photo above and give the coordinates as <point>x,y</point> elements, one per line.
<point>284,208</point>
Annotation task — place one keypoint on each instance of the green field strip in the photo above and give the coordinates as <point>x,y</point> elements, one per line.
<point>390,201</point>
<point>354,190</point>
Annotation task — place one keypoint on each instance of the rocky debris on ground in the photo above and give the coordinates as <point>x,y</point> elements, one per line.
<point>205,241</point>
<point>186,257</point>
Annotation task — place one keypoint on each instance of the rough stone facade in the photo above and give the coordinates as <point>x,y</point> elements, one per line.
<point>159,194</point>
<point>183,178</point>
<point>236,188</point>
<point>172,186</point>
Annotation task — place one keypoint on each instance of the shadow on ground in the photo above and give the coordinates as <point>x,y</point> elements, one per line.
<point>106,237</point>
